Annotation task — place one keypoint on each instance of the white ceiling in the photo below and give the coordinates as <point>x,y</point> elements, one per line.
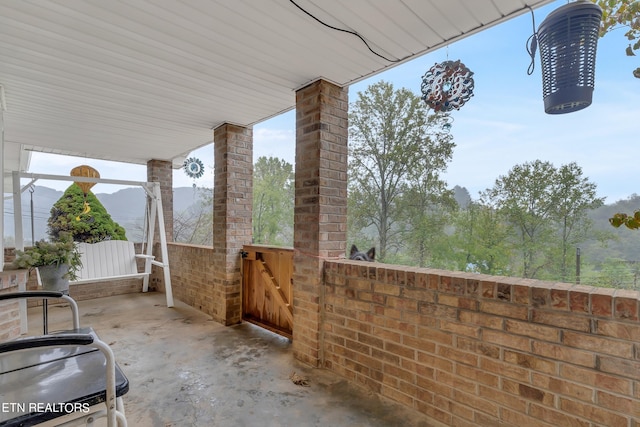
<point>134,80</point>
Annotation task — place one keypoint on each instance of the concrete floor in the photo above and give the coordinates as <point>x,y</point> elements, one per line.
<point>186,370</point>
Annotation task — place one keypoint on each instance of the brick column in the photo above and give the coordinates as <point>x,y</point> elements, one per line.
<point>232,210</point>
<point>10,317</point>
<point>161,171</point>
<point>320,219</point>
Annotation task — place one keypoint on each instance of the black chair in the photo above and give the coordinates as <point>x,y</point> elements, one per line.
<point>65,378</point>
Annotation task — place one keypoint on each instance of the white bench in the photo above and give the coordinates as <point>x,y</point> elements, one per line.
<point>116,260</point>
<point>110,260</point>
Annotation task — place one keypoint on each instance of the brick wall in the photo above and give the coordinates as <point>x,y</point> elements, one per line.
<point>93,290</point>
<point>320,215</point>
<point>10,310</point>
<point>87,291</point>
<point>232,216</point>
<point>472,350</point>
<point>192,278</point>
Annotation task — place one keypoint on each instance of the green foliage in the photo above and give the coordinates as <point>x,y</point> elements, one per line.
<point>56,252</point>
<point>524,198</point>
<point>70,215</point>
<point>273,200</point>
<point>622,14</point>
<point>607,242</point>
<point>482,238</point>
<point>613,273</point>
<point>428,209</point>
<point>576,196</point>
<point>395,150</point>
<point>547,207</point>
<point>630,221</point>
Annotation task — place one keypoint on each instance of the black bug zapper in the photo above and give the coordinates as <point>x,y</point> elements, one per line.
<point>567,40</point>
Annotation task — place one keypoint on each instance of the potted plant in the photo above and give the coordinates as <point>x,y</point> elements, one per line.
<point>57,261</point>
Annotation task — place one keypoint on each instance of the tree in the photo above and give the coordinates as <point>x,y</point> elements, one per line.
<point>428,207</point>
<point>482,240</point>
<point>394,145</point>
<point>612,273</point>
<point>93,224</point>
<point>273,200</point>
<point>576,196</point>
<point>525,197</point>
<point>620,14</point>
<point>547,207</point>
<point>195,224</point>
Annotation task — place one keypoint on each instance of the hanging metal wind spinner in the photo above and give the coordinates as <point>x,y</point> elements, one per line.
<point>193,167</point>
<point>447,86</point>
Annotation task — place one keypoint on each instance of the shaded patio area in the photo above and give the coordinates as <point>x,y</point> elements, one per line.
<point>187,370</point>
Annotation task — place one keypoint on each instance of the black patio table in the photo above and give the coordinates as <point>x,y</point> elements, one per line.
<point>46,377</point>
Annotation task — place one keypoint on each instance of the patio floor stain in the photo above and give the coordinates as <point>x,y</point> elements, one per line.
<point>186,370</point>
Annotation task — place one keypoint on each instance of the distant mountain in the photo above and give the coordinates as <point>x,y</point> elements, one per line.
<point>609,242</point>
<point>461,195</point>
<point>126,207</point>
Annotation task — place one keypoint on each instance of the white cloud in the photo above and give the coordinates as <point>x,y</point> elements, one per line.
<point>274,142</point>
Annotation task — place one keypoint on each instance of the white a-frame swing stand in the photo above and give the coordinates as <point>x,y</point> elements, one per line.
<point>152,190</point>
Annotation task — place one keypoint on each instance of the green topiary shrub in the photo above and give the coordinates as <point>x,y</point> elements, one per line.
<point>91,225</point>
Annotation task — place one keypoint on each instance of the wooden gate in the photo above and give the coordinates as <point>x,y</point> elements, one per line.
<point>267,298</point>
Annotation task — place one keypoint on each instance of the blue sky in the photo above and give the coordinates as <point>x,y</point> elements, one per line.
<point>504,124</point>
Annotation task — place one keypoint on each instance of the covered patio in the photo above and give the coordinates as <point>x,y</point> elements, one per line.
<point>185,369</point>
<point>149,84</point>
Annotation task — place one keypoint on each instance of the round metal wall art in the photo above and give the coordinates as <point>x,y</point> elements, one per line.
<point>193,167</point>
<point>447,86</point>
